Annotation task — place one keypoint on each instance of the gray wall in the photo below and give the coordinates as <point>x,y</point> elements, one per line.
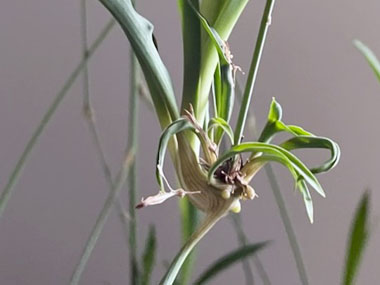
<point>309,65</point>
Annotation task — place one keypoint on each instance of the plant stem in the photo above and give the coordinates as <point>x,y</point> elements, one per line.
<point>287,224</point>
<point>89,116</point>
<point>102,218</point>
<point>265,23</point>
<point>9,187</point>
<point>210,220</point>
<point>132,146</point>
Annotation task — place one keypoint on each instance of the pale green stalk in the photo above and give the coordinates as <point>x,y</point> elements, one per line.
<point>210,220</point>
<point>9,187</point>
<point>264,25</point>
<point>287,224</point>
<point>89,115</point>
<point>102,218</point>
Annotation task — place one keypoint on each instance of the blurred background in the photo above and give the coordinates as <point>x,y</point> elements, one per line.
<point>309,64</point>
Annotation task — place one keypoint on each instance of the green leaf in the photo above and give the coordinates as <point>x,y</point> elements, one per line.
<point>359,234</point>
<point>370,57</point>
<point>218,42</point>
<point>149,256</point>
<point>228,260</point>
<point>275,111</point>
<point>279,154</point>
<point>140,34</point>
<point>219,122</point>
<point>275,125</point>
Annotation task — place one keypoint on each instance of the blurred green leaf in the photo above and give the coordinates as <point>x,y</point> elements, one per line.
<point>359,234</point>
<point>370,57</point>
<point>228,260</point>
<point>149,255</point>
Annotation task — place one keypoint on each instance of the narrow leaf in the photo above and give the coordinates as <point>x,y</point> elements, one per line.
<point>228,260</point>
<point>370,57</point>
<point>359,234</point>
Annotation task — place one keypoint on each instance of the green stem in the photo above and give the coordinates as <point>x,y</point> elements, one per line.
<point>265,22</point>
<point>287,224</point>
<point>132,146</point>
<point>210,220</point>
<point>9,187</point>
<point>89,115</point>
<point>102,218</point>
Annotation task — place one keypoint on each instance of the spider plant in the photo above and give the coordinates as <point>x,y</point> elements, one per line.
<point>215,179</point>
<point>215,182</point>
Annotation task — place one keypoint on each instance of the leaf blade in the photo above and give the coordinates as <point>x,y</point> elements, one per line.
<point>228,260</point>
<point>149,255</point>
<point>359,234</point>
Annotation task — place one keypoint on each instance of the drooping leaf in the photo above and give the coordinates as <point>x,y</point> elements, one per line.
<point>177,126</point>
<point>358,238</point>
<point>140,34</point>
<point>228,260</point>
<point>370,57</point>
<point>315,142</point>
<point>149,255</point>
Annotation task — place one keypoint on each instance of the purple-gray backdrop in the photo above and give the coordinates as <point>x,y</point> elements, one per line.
<point>309,65</point>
